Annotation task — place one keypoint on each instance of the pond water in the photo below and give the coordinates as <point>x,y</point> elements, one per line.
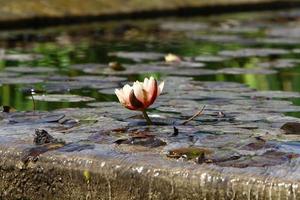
<point>260,50</point>
<point>244,68</point>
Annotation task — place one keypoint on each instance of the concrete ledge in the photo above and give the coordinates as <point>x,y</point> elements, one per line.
<point>111,175</point>
<point>20,14</point>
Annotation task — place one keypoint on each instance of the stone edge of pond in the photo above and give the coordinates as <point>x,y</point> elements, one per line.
<point>14,19</point>
<point>57,175</point>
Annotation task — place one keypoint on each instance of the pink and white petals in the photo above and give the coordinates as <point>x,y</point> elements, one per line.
<point>160,88</point>
<point>123,95</point>
<point>141,95</point>
<point>139,92</point>
<point>120,95</point>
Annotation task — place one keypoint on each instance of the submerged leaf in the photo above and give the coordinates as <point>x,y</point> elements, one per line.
<point>291,128</point>
<point>189,152</point>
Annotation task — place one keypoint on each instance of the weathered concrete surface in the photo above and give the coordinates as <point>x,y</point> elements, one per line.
<point>19,9</point>
<point>97,176</point>
<point>107,152</point>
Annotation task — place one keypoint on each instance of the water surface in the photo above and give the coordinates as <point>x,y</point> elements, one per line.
<point>217,42</point>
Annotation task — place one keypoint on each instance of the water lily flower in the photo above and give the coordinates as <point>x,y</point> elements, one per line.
<point>172,58</point>
<point>140,96</point>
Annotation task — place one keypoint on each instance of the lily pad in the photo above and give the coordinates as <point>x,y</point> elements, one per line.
<point>81,67</point>
<point>280,63</point>
<point>183,64</point>
<point>221,38</point>
<point>30,70</point>
<point>253,52</point>
<point>21,57</point>
<point>138,56</point>
<point>34,117</point>
<point>66,86</point>
<point>209,58</point>
<point>272,94</point>
<point>246,71</point>
<point>183,26</point>
<point>278,40</point>
<point>4,74</point>
<point>21,80</point>
<point>62,98</point>
<point>291,32</point>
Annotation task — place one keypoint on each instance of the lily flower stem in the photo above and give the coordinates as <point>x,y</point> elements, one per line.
<point>149,122</point>
<point>33,102</point>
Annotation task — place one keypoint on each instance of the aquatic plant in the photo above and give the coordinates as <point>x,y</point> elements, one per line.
<point>140,96</point>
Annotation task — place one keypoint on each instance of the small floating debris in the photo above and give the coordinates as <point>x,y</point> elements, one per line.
<point>116,66</point>
<point>172,58</point>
